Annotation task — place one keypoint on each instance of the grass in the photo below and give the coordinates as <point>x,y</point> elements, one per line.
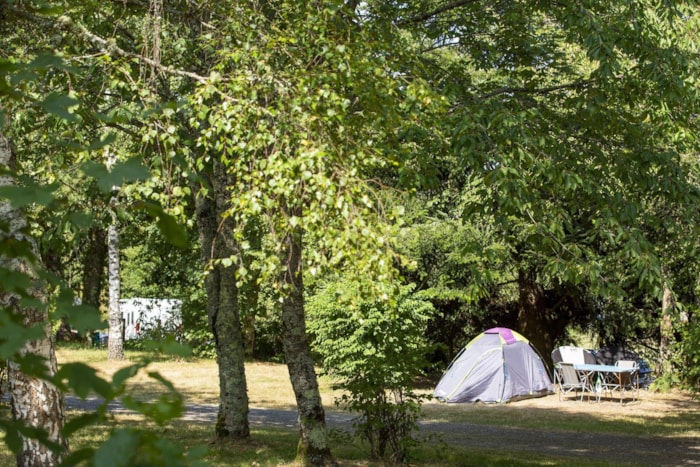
<point>673,415</point>
<point>668,415</point>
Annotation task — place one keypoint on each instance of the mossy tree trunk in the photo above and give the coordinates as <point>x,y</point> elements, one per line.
<point>314,448</point>
<point>217,242</point>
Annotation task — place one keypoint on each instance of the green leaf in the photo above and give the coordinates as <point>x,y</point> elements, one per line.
<point>82,379</point>
<point>117,450</point>
<point>103,142</point>
<point>15,334</point>
<point>81,421</point>
<point>122,375</point>
<point>173,232</point>
<point>169,346</point>
<point>32,364</point>
<point>80,317</point>
<point>128,171</point>
<point>22,196</point>
<point>45,61</point>
<point>80,219</point>
<point>79,457</point>
<point>13,440</point>
<point>60,105</point>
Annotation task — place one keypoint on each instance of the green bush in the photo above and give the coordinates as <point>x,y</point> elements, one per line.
<point>373,350</point>
<point>688,356</point>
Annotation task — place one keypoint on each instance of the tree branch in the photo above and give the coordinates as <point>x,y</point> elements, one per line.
<point>547,90</point>
<point>437,11</point>
<point>112,48</point>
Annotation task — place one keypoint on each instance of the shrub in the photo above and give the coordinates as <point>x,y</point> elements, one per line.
<point>688,355</point>
<point>373,350</point>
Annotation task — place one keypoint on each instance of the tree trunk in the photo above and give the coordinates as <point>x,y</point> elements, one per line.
<point>668,304</point>
<point>115,344</point>
<point>533,322</point>
<point>216,238</point>
<point>314,448</point>
<point>250,292</point>
<point>35,402</point>
<point>93,266</point>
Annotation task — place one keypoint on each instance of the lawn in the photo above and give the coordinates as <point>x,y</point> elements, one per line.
<point>656,415</point>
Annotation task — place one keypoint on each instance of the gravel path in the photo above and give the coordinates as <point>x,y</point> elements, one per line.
<point>616,449</point>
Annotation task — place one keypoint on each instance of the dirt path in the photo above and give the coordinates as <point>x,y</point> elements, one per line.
<point>616,449</point>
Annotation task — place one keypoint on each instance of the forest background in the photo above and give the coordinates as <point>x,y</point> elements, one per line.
<point>358,185</point>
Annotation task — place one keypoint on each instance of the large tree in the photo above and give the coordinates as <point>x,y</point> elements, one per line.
<point>569,123</point>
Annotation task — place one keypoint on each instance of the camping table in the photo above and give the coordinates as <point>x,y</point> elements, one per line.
<point>599,378</point>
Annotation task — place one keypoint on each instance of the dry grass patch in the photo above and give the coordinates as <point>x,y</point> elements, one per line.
<point>198,380</point>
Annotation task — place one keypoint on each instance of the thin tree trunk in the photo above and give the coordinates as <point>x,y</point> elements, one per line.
<point>35,402</point>
<point>115,344</point>
<point>93,266</point>
<point>314,448</point>
<point>668,304</point>
<point>251,290</point>
<point>216,238</point>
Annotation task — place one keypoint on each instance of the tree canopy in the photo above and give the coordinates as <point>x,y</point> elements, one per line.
<point>532,164</point>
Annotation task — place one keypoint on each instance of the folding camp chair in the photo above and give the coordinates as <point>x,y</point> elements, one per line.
<point>568,379</point>
<point>629,381</point>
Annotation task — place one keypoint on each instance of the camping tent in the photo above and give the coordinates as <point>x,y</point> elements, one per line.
<point>499,365</point>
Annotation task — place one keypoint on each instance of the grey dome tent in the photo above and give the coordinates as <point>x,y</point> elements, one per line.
<point>499,366</point>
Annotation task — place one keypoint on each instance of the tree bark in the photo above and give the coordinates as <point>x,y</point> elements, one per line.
<point>217,242</point>
<point>668,303</point>
<point>250,292</point>
<point>115,344</point>
<point>314,448</point>
<point>35,402</point>
<point>533,322</point>
<point>93,266</point>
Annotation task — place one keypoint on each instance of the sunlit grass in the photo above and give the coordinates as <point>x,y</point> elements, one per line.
<point>197,379</point>
<point>668,415</point>
<point>673,414</point>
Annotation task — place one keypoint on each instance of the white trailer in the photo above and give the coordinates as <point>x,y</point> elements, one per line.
<point>140,314</point>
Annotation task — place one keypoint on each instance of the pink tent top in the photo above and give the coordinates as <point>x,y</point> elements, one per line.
<point>506,334</point>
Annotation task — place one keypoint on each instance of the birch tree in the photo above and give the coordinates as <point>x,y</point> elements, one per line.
<point>301,108</point>
<point>115,344</point>
<point>36,402</point>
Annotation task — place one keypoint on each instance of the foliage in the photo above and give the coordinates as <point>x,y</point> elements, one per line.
<point>547,138</point>
<point>322,105</point>
<point>687,354</point>
<point>54,129</point>
<point>571,137</point>
<point>374,351</point>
